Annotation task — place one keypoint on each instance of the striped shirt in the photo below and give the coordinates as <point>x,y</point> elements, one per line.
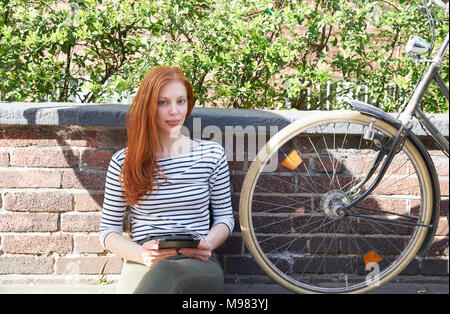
<point>197,183</point>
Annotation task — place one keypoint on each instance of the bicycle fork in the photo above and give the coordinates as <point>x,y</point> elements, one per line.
<point>388,149</point>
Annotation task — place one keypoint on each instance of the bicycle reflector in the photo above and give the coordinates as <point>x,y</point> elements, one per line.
<point>372,257</point>
<point>417,46</point>
<point>292,160</point>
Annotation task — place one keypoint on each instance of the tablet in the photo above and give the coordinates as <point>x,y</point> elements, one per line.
<point>178,241</point>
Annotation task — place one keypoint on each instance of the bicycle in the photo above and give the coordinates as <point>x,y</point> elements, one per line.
<point>331,222</point>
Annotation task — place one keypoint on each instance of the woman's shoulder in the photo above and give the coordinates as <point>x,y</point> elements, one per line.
<point>212,147</point>
<point>119,156</point>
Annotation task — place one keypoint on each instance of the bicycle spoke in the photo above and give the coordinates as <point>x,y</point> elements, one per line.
<point>295,218</point>
<point>385,212</point>
<point>331,161</point>
<point>307,181</point>
<point>277,206</point>
<point>390,221</point>
<point>318,156</point>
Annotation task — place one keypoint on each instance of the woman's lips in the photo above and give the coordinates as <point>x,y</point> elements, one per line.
<point>173,122</point>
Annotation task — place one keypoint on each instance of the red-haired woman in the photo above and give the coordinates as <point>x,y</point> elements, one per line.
<point>172,185</point>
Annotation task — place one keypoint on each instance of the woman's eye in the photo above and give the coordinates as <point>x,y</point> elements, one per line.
<point>162,102</point>
<point>181,101</point>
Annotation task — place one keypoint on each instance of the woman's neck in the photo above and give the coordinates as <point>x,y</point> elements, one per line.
<point>172,145</point>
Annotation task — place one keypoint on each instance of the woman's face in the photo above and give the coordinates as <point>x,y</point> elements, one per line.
<point>171,108</point>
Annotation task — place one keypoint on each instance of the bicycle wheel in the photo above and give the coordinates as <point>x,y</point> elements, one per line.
<point>290,196</point>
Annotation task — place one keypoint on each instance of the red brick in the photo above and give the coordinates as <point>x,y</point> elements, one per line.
<point>81,137</point>
<point>443,184</point>
<point>88,265</point>
<point>411,269</point>
<point>444,207</point>
<point>326,165</point>
<point>233,245</point>
<point>4,159</point>
<point>38,201</point>
<point>87,244</point>
<point>28,136</point>
<point>397,186</point>
<point>433,150</point>
<point>322,245</point>
<point>389,204</point>
<point>236,182</point>
<point>26,265</point>
<point>236,165</point>
<point>30,179</point>
<point>304,144</point>
<point>242,265</point>
<point>37,244</point>
<point>114,138</point>
<point>442,165</point>
<point>439,247</point>
<point>272,224</point>
<point>367,226</point>
<point>90,180</point>
<point>322,183</point>
<point>35,157</point>
<point>88,202</point>
<point>86,222</point>
<point>442,229</point>
<point>361,165</point>
<point>280,204</point>
<point>275,184</point>
<point>29,222</point>
<point>96,159</point>
<point>434,266</point>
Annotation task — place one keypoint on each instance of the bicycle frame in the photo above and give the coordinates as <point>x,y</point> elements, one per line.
<point>413,110</point>
<point>389,149</point>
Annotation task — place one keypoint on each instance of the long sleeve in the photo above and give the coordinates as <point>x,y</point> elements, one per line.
<point>220,194</point>
<point>114,207</point>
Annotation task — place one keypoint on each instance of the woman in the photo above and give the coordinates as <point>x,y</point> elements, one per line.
<point>171,184</point>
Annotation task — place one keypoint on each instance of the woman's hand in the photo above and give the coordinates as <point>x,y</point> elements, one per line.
<point>202,252</point>
<point>151,253</point>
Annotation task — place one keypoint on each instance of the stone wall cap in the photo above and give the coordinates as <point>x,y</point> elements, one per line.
<point>113,115</point>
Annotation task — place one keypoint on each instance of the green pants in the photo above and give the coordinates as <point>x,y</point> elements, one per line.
<point>177,274</point>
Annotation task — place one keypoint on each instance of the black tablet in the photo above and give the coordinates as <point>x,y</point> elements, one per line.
<point>178,241</point>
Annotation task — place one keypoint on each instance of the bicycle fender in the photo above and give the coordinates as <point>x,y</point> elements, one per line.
<point>380,114</point>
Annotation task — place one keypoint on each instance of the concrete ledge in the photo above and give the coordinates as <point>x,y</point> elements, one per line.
<point>113,115</point>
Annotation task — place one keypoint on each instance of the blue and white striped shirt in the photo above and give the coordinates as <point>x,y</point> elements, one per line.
<point>195,181</point>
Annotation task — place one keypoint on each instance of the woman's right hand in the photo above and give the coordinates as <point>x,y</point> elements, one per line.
<point>151,253</point>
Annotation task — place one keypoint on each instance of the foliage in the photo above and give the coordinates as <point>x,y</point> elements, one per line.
<point>241,53</point>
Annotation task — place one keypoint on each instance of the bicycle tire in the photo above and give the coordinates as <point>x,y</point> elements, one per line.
<point>284,266</point>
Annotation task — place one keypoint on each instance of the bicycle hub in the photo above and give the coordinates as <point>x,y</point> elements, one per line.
<point>333,203</point>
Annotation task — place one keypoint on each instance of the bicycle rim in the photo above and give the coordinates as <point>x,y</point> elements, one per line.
<point>291,191</point>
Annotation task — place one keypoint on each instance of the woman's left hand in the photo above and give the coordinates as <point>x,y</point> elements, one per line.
<point>202,252</point>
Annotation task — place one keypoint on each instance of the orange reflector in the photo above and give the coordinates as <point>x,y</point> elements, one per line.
<point>372,256</point>
<point>292,160</point>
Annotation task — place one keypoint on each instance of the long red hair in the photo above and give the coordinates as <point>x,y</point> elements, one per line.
<point>140,169</point>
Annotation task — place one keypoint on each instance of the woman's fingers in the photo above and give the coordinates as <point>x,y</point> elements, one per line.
<point>199,254</point>
<point>202,252</point>
<point>151,245</point>
<point>151,253</point>
<point>161,252</point>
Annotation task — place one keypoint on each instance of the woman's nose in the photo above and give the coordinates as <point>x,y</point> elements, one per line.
<point>173,108</point>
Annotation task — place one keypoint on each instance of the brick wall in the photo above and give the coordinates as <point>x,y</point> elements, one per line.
<point>51,191</point>
<point>51,184</point>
